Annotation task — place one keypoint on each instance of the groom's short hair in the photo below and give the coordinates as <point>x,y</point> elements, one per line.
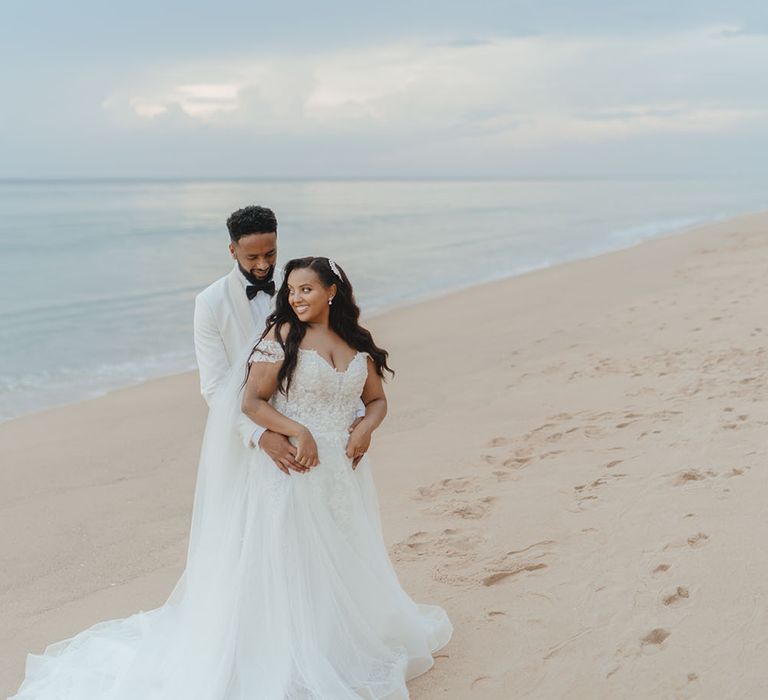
<point>251,220</point>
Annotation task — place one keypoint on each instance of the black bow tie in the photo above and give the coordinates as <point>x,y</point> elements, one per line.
<point>267,286</point>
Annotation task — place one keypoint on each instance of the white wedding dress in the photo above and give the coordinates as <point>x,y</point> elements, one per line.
<point>288,593</point>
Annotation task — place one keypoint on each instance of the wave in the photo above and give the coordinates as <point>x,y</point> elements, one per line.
<point>54,386</point>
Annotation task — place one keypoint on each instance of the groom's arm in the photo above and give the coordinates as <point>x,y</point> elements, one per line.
<point>213,364</point>
<point>250,432</point>
<point>212,359</point>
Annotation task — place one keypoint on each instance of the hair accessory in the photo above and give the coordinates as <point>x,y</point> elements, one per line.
<point>334,268</point>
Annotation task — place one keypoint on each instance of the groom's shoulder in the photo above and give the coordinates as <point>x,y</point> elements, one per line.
<point>213,291</point>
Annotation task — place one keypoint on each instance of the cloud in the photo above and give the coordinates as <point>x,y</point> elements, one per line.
<point>467,42</point>
<point>660,118</point>
<point>520,103</point>
<point>543,86</point>
<point>202,101</point>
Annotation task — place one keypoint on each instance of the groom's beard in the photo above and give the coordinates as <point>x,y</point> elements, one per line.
<point>252,278</point>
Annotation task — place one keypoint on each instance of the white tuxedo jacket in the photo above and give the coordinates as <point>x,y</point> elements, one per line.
<point>224,325</point>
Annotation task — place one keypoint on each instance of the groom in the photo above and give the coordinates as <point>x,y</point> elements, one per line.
<point>229,313</point>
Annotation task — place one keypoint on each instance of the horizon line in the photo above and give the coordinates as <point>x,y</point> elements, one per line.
<point>45,179</point>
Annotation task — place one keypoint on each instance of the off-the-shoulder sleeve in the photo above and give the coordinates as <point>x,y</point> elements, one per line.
<point>267,351</point>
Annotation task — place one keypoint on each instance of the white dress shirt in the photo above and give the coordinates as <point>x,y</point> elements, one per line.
<point>261,305</point>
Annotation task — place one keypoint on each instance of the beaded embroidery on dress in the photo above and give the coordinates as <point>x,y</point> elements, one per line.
<point>288,593</point>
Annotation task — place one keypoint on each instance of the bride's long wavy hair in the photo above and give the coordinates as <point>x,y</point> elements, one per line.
<point>343,320</point>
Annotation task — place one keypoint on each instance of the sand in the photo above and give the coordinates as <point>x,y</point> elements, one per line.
<point>574,466</point>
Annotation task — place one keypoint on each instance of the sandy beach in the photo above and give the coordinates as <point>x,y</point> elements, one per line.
<point>573,466</point>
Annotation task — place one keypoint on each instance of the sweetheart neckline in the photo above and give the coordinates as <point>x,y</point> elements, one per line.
<point>328,364</point>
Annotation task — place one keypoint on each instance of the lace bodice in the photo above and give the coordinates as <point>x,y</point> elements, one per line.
<point>321,398</point>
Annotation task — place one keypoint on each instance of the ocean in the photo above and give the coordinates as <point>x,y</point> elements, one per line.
<point>99,277</point>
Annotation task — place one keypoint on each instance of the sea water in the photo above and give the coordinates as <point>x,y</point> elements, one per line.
<point>98,278</point>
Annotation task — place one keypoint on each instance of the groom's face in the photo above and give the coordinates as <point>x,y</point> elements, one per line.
<point>256,252</point>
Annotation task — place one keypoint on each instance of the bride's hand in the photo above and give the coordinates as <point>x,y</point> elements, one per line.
<point>306,449</point>
<point>359,442</point>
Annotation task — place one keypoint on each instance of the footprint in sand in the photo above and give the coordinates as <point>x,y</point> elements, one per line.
<point>561,416</point>
<point>594,431</point>
<point>689,475</point>
<point>413,546</point>
<point>661,568</point>
<point>551,453</point>
<point>554,426</point>
<point>697,540</point>
<point>516,462</point>
<point>451,543</point>
<point>477,508</point>
<point>517,561</point>
<point>593,485</point>
<point>677,598</point>
<point>459,484</point>
<point>533,432</point>
<point>694,542</point>
<point>493,571</point>
<point>583,491</point>
<point>499,576</point>
<point>655,637</point>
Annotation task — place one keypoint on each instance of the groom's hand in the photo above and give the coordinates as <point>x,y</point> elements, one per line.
<point>356,459</point>
<point>280,450</point>
<point>351,428</point>
<point>358,443</point>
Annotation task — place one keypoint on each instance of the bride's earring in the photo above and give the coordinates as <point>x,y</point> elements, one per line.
<point>330,301</point>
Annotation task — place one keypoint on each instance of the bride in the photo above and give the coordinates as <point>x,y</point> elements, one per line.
<point>288,593</point>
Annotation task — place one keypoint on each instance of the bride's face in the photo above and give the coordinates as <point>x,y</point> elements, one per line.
<point>308,297</point>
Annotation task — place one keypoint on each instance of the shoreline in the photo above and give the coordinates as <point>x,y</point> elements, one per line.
<point>96,393</point>
<point>573,466</point>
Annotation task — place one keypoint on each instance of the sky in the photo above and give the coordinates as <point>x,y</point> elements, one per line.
<point>513,88</point>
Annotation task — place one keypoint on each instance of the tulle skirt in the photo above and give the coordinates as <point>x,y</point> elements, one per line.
<point>299,602</point>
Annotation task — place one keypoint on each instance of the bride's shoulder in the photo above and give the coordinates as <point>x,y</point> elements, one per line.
<point>271,336</point>
<point>268,349</point>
